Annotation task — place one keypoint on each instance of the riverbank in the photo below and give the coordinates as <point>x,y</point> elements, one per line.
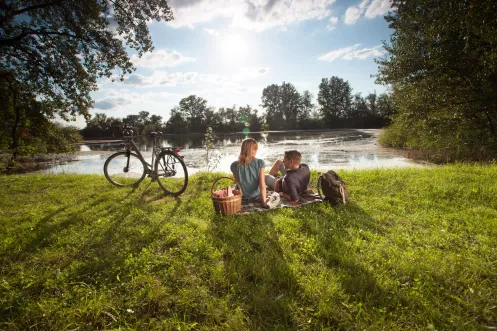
<point>414,249</point>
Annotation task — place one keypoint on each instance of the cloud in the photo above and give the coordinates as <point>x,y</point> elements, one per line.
<point>254,15</point>
<point>350,53</point>
<point>109,103</point>
<point>161,78</point>
<point>333,22</point>
<point>212,32</point>
<point>353,13</point>
<point>248,73</point>
<point>375,8</point>
<point>160,59</point>
<point>378,7</point>
<point>124,99</point>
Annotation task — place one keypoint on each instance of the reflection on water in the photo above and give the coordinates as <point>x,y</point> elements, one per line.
<point>321,150</point>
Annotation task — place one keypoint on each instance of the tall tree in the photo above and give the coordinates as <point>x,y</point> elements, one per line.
<point>291,105</point>
<point>305,116</point>
<point>271,102</point>
<point>283,105</point>
<point>386,105</point>
<point>371,100</point>
<point>335,98</point>
<point>56,50</point>
<point>194,109</point>
<point>358,111</point>
<point>176,122</point>
<point>442,66</point>
<point>60,48</point>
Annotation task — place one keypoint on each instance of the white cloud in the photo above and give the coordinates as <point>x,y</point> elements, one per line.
<point>122,99</point>
<point>378,7</point>
<point>211,32</point>
<point>255,15</point>
<point>363,53</point>
<point>160,59</point>
<point>161,78</point>
<point>352,15</point>
<point>333,22</point>
<point>350,53</point>
<point>248,73</point>
<point>109,103</point>
<point>375,8</point>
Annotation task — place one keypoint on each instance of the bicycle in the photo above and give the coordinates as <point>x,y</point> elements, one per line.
<point>129,168</point>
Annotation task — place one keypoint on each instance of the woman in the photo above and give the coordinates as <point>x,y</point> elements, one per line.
<point>249,172</point>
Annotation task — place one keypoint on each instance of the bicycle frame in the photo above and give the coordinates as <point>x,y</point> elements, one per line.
<point>170,164</point>
<point>129,144</point>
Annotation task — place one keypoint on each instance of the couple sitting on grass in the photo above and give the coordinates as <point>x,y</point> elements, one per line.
<point>249,171</point>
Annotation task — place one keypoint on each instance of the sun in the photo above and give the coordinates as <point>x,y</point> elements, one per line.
<point>234,48</point>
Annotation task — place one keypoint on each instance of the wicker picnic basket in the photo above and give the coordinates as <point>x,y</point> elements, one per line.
<point>227,205</point>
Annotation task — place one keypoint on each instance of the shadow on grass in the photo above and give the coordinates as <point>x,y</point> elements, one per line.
<point>262,284</point>
<point>343,237</point>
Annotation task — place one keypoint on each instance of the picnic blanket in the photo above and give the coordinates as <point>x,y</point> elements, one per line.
<point>256,207</point>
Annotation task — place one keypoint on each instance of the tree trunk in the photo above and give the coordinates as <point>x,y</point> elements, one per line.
<point>14,133</point>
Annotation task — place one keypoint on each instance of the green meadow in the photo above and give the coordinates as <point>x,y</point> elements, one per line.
<point>413,249</point>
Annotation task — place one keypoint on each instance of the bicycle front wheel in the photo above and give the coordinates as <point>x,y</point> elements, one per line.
<point>171,173</point>
<point>124,169</point>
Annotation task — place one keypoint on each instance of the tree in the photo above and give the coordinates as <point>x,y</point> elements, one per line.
<point>54,51</point>
<point>156,121</point>
<point>60,48</point>
<point>335,98</point>
<point>386,105</point>
<point>291,104</point>
<point>194,109</point>
<point>371,102</point>
<point>358,111</point>
<point>442,65</point>
<point>176,122</point>
<point>271,102</point>
<point>25,129</point>
<point>307,108</point>
<point>283,105</point>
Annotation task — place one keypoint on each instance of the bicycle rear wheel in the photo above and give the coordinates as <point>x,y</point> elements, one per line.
<point>124,169</point>
<point>171,173</point>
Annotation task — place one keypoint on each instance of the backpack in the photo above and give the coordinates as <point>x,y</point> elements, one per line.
<point>333,188</point>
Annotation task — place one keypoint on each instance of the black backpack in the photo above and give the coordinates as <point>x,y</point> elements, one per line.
<point>332,188</point>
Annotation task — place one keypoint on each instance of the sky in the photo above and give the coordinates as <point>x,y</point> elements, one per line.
<point>227,52</point>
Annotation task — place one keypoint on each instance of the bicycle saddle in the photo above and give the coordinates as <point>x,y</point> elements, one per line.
<point>154,134</point>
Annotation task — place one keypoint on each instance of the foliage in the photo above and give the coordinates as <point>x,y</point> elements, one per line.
<point>176,122</point>
<point>414,249</point>
<point>26,130</point>
<point>442,66</point>
<point>283,105</point>
<point>285,109</point>
<point>58,49</point>
<point>335,98</point>
<point>212,156</point>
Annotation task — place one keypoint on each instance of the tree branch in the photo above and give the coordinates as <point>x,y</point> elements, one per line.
<point>26,9</point>
<point>16,40</point>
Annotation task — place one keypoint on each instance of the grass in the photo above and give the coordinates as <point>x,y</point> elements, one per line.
<point>415,249</point>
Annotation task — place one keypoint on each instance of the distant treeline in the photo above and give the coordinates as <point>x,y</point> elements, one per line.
<point>284,108</point>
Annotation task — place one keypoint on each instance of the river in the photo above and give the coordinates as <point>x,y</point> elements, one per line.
<point>321,150</point>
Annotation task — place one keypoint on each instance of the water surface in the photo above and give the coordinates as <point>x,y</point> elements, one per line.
<point>321,150</point>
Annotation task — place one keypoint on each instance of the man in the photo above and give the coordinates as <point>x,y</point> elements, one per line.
<point>295,176</point>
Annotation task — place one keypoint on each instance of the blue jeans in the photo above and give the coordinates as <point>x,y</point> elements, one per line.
<point>250,200</point>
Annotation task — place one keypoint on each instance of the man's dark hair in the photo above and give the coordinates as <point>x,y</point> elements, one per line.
<point>294,156</point>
